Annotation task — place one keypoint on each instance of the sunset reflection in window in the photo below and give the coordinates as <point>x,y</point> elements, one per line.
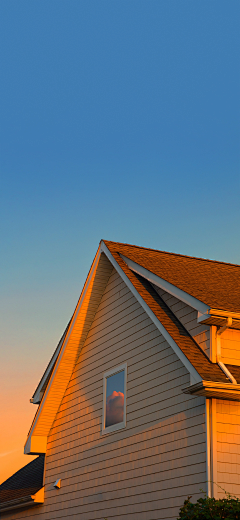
<point>114,399</point>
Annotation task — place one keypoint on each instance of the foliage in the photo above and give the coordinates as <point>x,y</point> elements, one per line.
<point>211,509</point>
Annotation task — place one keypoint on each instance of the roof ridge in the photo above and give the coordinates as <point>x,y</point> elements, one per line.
<point>173,254</point>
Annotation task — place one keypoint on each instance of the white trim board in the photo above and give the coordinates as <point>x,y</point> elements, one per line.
<point>208,447</point>
<point>36,398</point>
<point>166,286</point>
<point>194,374</point>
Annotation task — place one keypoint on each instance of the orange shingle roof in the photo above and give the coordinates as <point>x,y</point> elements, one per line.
<point>217,284</point>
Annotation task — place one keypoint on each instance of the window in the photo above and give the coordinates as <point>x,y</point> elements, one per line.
<point>114,399</point>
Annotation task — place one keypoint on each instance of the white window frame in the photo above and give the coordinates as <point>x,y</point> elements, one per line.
<point>118,426</point>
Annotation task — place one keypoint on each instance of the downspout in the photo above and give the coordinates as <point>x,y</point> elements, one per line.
<point>219,355</point>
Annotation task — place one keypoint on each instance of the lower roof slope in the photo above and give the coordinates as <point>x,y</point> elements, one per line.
<point>217,284</point>
<point>27,481</point>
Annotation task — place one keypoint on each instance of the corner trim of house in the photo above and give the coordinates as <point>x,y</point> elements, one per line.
<point>213,426</point>
<point>208,446</point>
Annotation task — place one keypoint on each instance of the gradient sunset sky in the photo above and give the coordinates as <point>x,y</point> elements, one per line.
<point>119,120</point>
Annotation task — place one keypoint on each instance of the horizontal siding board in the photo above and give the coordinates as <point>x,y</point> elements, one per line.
<point>138,453</point>
<point>171,423</point>
<point>135,503</point>
<point>164,406</point>
<point>174,431</point>
<point>131,484</point>
<point>159,378</point>
<point>166,364</point>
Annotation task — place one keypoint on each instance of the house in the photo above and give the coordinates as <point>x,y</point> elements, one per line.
<point>139,405</point>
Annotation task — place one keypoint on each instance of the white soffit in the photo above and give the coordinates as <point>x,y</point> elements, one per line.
<point>166,286</point>
<point>194,374</point>
<point>37,396</point>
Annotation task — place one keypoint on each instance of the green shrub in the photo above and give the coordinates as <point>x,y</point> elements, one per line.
<point>211,509</point>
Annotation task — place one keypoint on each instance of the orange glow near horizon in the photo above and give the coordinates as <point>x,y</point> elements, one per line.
<point>16,417</point>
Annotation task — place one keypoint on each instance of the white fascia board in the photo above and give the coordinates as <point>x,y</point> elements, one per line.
<point>78,309</point>
<point>194,374</point>
<point>37,396</point>
<point>166,286</point>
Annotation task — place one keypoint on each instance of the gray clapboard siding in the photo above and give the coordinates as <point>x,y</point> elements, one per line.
<point>188,317</point>
<point>125,437</point>
<point>146,470</point>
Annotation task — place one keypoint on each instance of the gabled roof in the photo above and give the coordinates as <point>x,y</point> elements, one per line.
<point>23,485</point>
<point>217,284</point>
<point>203,279</point>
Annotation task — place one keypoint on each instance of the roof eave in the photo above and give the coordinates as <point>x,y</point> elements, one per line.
<point>227,391</point>
<point>27,501</point>
<point>218,317</point>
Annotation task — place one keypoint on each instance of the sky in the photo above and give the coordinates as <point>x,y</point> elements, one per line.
<point>118,121</point>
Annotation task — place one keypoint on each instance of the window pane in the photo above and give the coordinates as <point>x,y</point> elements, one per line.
<point>114,399</point>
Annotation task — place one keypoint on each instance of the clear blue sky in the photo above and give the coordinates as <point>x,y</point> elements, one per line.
<point>119,120</point>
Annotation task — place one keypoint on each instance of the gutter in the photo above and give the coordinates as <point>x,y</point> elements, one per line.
<point>228,391</point>
<point>218,314</point>
<point>27,501</point>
